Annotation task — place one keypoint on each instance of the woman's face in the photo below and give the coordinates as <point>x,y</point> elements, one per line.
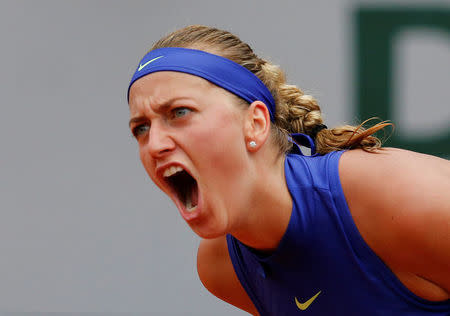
<point>191,140</point>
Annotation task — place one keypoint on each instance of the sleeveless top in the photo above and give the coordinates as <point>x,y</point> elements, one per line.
<point>322,265</point>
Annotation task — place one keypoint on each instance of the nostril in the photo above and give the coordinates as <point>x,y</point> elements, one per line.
<point>159,152</point>
<point>165,150</point>
<point>160,144</point>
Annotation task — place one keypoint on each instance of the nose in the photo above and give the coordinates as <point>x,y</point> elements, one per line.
<point>159,141</point>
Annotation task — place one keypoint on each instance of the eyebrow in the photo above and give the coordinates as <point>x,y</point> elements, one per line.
<point>163,107</point>
<point>136,119</point>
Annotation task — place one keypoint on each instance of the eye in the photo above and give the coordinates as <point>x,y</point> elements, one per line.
<point>180,112</point>
<point>140,130</point>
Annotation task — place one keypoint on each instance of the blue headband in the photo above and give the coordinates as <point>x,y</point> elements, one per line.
<point>219,70</point>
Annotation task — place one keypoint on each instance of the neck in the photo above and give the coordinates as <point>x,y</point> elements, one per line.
<point>266,218</point>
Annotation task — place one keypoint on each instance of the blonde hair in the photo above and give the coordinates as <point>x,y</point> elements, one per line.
<point>296,112</point>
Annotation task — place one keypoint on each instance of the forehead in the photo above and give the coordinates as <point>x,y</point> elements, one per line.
<point>168,84</point>
<point>150,92</point>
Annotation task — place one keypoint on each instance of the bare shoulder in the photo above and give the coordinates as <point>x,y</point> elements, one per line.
<point>403,175</point>
<point>400,203</point>
<point>412,181</point>
<point>216,272</point>
<point>393,157</point>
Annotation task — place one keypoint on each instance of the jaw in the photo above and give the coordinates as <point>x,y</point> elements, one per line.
<point>208,219</point>
<point>206,211</point>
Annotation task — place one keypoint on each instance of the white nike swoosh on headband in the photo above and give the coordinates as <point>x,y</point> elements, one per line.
<point>150,61</point>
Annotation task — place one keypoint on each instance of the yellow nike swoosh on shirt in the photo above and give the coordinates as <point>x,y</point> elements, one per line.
<point>150,61</point>
<point>305,305</point>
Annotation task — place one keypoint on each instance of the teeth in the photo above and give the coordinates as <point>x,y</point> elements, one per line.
<point>189,206</point>
<point>172,170</point>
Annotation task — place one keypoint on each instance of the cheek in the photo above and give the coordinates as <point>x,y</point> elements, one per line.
<point>220,144</point>
<point>142,156</point>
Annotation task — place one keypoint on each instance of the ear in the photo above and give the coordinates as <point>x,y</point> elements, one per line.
<point>257,125</point>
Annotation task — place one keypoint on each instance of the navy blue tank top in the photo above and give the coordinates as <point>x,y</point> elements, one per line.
<point>322,265</point>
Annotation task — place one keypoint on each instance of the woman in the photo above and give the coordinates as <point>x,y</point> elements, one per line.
<point>352,229</point>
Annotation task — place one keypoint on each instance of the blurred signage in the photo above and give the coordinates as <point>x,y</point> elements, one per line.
<point>376,30</point>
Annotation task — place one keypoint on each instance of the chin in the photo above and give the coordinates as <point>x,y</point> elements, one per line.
<point>207,235</point>
<point>209,230</point>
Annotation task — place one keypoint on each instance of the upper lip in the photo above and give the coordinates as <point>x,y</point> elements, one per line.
<point>160,174</point>
<point>160,169</point>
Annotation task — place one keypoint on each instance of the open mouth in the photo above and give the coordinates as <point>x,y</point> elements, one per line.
<point>184,186</point>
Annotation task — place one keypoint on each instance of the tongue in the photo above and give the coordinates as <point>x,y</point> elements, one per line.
<point>192,198</point>
<point>194,195</point>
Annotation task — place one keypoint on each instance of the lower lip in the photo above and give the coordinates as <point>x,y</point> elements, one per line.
<point>194,214</point>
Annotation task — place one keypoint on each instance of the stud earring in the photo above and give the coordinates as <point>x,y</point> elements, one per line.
<point>252,144</point>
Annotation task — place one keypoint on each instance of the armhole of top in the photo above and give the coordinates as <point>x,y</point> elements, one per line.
<point>235,257</point>
<point>368,257</point>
